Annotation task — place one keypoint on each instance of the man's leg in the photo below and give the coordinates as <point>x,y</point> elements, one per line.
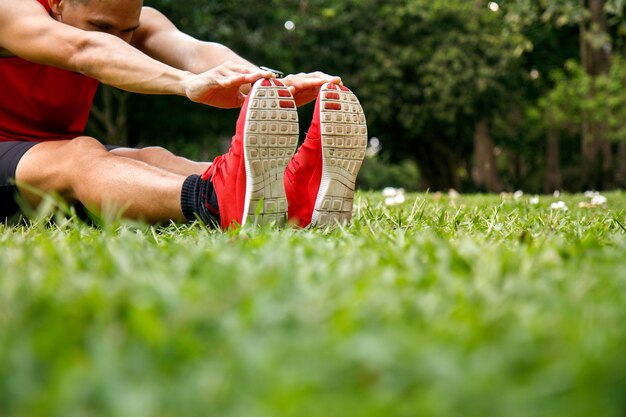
<point>82,170</point>
<point>162,158</point>
<point>245,184</point>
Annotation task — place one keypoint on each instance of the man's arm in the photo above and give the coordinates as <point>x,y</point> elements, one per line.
<point>27,31</point>
<point>158,37</point>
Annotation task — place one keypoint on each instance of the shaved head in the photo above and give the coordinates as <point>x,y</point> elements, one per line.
<point>117,17</point>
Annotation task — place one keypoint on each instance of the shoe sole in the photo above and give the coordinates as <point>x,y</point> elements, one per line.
<point>270,140</point>
<point>344,142</point>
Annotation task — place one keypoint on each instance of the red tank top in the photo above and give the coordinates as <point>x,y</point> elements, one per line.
<point>40,102</point>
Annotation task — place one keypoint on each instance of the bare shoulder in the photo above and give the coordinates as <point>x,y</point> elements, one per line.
<point>28,31</point>
<point>17,17</point>
<point>19,12</point>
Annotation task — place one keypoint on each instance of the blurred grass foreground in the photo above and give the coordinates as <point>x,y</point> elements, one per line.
<point>433,305</point>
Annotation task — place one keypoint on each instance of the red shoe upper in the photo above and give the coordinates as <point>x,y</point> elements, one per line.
<point>228,175</point>
<point>228,172</point>
<point>304,172</point>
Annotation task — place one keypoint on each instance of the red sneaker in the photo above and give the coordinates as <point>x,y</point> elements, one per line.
<point>320,179</point>
<point>248,180</point>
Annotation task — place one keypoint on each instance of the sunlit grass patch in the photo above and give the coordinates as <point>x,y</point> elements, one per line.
<point>442,305</point>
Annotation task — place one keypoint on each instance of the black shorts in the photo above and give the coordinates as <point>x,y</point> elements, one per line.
<point>10,155</point>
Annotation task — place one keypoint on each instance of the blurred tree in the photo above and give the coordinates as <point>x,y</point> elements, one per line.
<point>534,157</point>
<point>616,10</point>
<point>587,90</point>
<point>432,76</point>
<point>450,84</point>
<point>595,56</point>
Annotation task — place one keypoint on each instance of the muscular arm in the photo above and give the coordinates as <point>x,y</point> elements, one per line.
<point>27,31</point>
<point>158,37</point>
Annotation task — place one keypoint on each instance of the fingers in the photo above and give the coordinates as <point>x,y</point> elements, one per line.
<point>245,88</point>
<point>306,87</point>
<point>227,84</point>
<point>241,80</point>
<point>307,80</point>
<point>231,70</point>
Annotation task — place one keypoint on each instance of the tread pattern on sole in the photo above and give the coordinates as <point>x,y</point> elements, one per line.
<point>344,142</point>
<point>270,140</point>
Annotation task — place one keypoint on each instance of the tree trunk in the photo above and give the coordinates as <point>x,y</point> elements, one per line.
<point>517,167</point>
<point>553,165</point>
<point>620,165</point>
<point>438,165</point>
<point>589,148</point>
<point>597,158</point>
<point>485,171</point>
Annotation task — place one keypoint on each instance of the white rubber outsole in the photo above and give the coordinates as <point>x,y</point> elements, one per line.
<point>344,142</point>
<point>270,140</point>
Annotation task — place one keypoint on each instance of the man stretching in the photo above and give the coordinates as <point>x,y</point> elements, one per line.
<point>53,55</point>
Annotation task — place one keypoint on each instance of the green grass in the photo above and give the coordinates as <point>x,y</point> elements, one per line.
<point>476,306</point>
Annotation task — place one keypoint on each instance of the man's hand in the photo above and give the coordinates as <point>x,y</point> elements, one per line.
<point>222,86</point>
<point>225,86</point>
<point>306,87</point>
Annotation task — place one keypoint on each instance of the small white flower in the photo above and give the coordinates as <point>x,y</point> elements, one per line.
<point>518,194</point>
<point>534,199</point>
<point>394,201</point>
<point>556,193</point>
<point>598,200</point>
<point>389,192</point>
<point>393,196</point>
<point>453,194</point>
<point>559,205</point>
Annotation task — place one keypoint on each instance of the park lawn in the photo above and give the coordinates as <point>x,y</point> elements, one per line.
<point>441,306</point>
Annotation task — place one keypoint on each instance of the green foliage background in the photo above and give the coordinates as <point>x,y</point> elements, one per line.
<point>426,71</point>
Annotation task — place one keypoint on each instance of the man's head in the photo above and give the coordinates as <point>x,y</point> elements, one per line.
<point>117,17</point>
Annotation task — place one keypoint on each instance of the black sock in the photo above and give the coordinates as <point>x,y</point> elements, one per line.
<point>198,198</point>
